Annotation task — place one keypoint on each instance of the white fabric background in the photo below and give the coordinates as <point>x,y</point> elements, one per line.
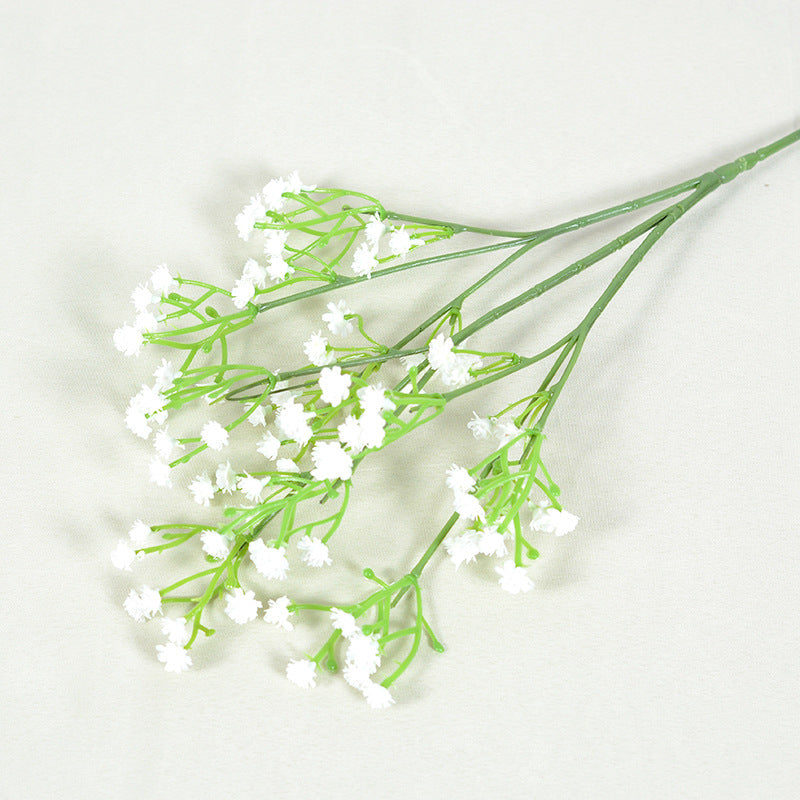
<point>658,656</point>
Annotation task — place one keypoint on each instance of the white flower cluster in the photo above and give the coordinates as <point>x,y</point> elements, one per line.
<point>485,427</point>
<point>129,339</point>
<point>173,655</point>
<point>465,503</point>
<point>453,368</point>
<point>124,555</point>
<point>400,243</point>
<point>362,660</point>
<point>547,519</point>
<point>273,197</point>
<point>316,348</point>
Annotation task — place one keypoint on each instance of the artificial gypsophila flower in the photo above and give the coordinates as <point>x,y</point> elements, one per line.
<point>363,652</point>
<point>459,479</point>
<point>480,427</point>
<point>215,544</point>
<point>160,473</point>
<point>257,416</point>
<point>364,261</point>
<point>128,340</point>
<point>255,273</point>
<point>491,542</point>
<point>334,318</point>
<point>335,385</point>
<point>271,562</point>
<point>269,446</point>
<point>344,621</point>
<point>202,489</point>
<point>165,376</point>
<point>136,422</point>
<point>243,292</point>
<point>278,613</point>
<point>225,478</point>
<point>286,465</point>
<point>146,322</point>
<point>165,444</point>
<point>467,506</point>
<point>139,533</point>
<point>374,229</point>
<point>241,606</point>
<point>373,399</point>
<point>142,297</point>
<point>547,519</point>
<point>162,281</point>
<point>214,435</point>
<point>175,630</point>
<point>253,212</point>
<point>400,242</point>
<point>302,672</point>
<point>134,607</point>
<point>278,268</point>
<point>272,194</point>
<point>252,487</point>
<point>174,657</point>
<point>123,556</point>
<point>314,550</point>
<point>377,696</point>
<point>331,462</point>
<point>463,548</point>
<point>316,349</point>
<point>292,421</point>
<point>513,579</point>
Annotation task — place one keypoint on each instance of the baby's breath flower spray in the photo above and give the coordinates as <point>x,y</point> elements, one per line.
<point>277,450</point>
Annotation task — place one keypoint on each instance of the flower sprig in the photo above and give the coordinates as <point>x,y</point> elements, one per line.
<point>284,487</point>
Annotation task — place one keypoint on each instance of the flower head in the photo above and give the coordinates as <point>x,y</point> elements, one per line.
<point>292,421</point>
<point>363,652</point>
<point>162,281</point>
<point>174,657</point>
<point>374,229</point>
<point>462,549</point>
<point>335,385</point>
<point>215,544</point>
<point>243,292</point>
<point>547,519</point>
<point>225,478</point>
<point>377,696</point>
<point>331,462</point>
<point>139,533</point>
<point>459,479</point>
<point>269,446</point>
<point>278,613</point>
<point>302,673</point>
<point>123,556</point>
<point>202,489</point>
<point>400,242</point>
<point>335,319</point>
<point>253,212</point>
<point>480,427</point>
<point>128,340</point>
<point>175,630</point>
<point>513,579</point>
<point>315,552</point>
<point>160,473</point>
<point>242,606</point>
<point>255,273</point>
<point>271,562</point>
<point>316,350</point>
<point>214,435</point>
<point>364,261</point>
<point>344,622</point>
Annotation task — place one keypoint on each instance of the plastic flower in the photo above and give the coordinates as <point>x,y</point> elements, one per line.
<point>269,446</point>
<point>278,269</point>
<point>225,478</point>
<point>400,242</point>
<point>165,444</point>
<point>331,462</point>
<point>363,652</point>
<point>275,243</point>
<point>547,519</point>
<point>459,479</point>
<point>128,340</point>
<point>123,556</point>
<point>252,487</point>
<point>292,421</point>
<point>302,673</point>
<point>174,657</point>
<point>165,376</point>
<point>344,622</point>
<point>374,229</point>
<point>373,399</point>
<point>202,489</point>
<point>136,422</point>
<point>133,606</point>
<point>377,696</point>
<point>270,562</point>
<point>253,212</point>
<point>480,427</point>
<point>160,473</point>
<point>215,544</point>
<point>278,613</point>
<point>272,194</point>
<point>255,273</point>
<point>492,543</point>
<point>286,465</point>
<point>242,606</point>
<point>257,416</point>
<point>513,579</point>
<point>315,552</point>
<point>335,385</point>
<point>464,548</point>
<point>242,292</point>
<point>316,349</point>
<point>468,506</point>
<point>142,297</point>
<point>214,435</point>
<point>364,261</point>
<point>440,351</point>
<point>175,630</point>
<point>335,319</point>
<point>139,533</point>
<point>162,281</point>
